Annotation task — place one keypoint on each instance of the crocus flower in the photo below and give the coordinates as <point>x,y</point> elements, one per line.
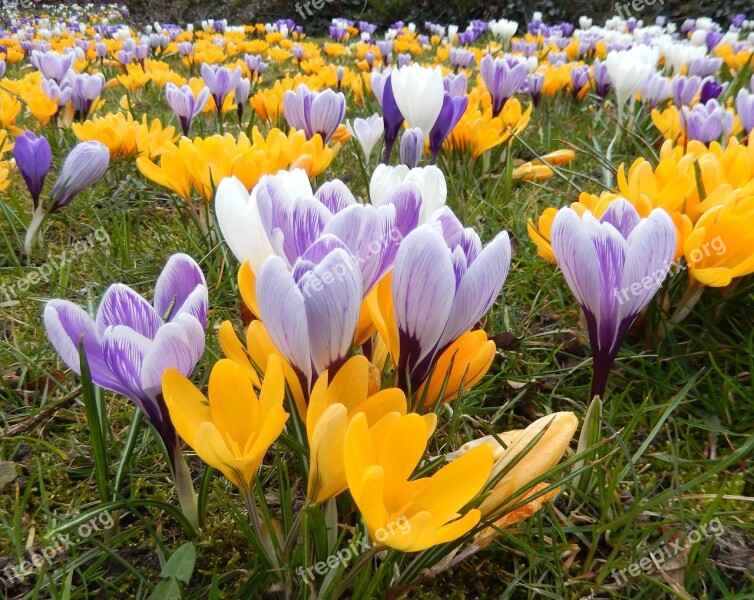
<point>412,147</point>
<point>52,65</point>
<point>711,90</point>
<point>60,94</point>
<point>656,90</point>
<point>419,94</point>
<point>131,343</point>
<point>84,165</point>
<point>241,95</point>
<point>707,122</point>
<point>33,159</point>
<point>555,434</point>
<point>221,81</point>
<point>233,429</point>
<point>391,115</point>
<point>685,89</point>
<point>628,70</point>
<point>443,283</point>
<point>333,404</point>
<point>403,513</point>
<point>368,133</point>
<point>283,217</point>
<point>314,112</point>
<point>503,79</point>
<point>579,79</point>
<point>430,180</point>
<point>533,85</point>
<point>312,312</point>
<point>85,90</point>
<point>453,109</point>
<point>614,266</point>
<point>184,104</point>
<point>744,108</point>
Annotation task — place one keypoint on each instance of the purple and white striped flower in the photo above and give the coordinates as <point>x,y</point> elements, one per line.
<point>602,83</point>
<point>52,65</point>
<point>412,147</point>
<point>314,112</point>
<point>707,122</point>
<point>744,108</point>
<point>503,78</point>
<point>444,282</point>
<point>311,312</point>
<point>131,343</point>
<point>685,89</point>
<point>221,81</point>
<point>614,266</point>
<point>85,90</point>
<point>84,165</point>
<point>61,94</point>
<point>656,90</point>
<point>183,103</point>
<point>283,217</point>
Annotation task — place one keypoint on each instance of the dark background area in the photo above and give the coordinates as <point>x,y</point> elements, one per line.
<point>460,12</point>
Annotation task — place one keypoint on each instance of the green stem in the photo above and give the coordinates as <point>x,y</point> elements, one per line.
<point>31,234</point>
<point>185,487</point>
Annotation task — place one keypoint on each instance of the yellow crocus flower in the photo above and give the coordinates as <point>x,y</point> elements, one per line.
<point>232,432</point>
<point>410,514</point>
<point>461,366</point>
<point>332,406</point>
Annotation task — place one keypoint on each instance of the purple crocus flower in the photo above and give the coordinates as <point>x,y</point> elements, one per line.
<point>444,282</point>
<point>101,50</point>
<point>125,57</point>
<point>602,83</point>
<point>183,103</point>
<point>311,313</point>
<point>412,147</point>
<point>85,89</point>
<point>656,90</point>
<point>241,96</point>
<point>283,217</point>
<point>461,58</point>
<point>705,66</point>
<point>685,89</point>
<point>404,60</point>
<point>744,108</point>
<point>221,81</point>
<point>2,68</point>
<point>33,159</point>
<point>503,79</point>
<point>456,85</point>
<point>533,86</point>
<point>386,50</point>
<point>84,165</point>
<point>453,109</point>
<point>391,114</point>
<point>131,343</point>
<point>711,90</point>
<point>713,39</point>
<point>314,112</point>
<point>614,266</point>
<point>52,65</point>
<point>186,49</point>
<point>579,79</point>
<point>706,122</point>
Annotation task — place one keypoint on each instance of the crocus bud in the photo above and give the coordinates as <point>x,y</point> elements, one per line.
<point>412,147</point>
<point>86,163</point>
<point>33,159</point>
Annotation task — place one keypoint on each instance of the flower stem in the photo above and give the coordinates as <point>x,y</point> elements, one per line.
<point>185,487</point>
<point>31,234</point>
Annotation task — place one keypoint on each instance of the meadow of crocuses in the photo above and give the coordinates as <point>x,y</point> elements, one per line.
<point>431,311</point>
